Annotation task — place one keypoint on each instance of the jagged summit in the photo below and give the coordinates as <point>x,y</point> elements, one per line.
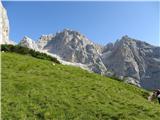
<point>69,34</point>
<point>71,31</point>
<point>135,59</point>
<point>28,42</point>
<point>129,40</point>
<point>126,40</point>
<point>47,37</point>
<point>43,40</point>
<point>72,46</point>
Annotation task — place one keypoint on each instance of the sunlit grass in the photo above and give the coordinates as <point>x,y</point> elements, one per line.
<point>34,89</point>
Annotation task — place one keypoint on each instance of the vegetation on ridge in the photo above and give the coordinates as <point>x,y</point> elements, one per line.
<point>27,51</point>
<point>35,89</point>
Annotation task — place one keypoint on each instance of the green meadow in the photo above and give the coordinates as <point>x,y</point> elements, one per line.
<point>35,89</point>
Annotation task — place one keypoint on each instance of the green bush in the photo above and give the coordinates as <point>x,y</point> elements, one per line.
<point>27,51</point>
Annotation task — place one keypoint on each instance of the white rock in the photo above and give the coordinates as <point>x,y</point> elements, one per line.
<point>75,48</point>
<point>29,43</point>
<point>43,40</point>
<point>4,26</point>
<point>137,60</point>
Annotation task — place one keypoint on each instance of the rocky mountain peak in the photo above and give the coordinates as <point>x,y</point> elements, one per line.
<point>47,37</point>
<point>135,59</point>
<point>68,35</point>
<point>120,43</point>
<point>74,47</point>
<point>125,40</point>
<point>43,40</point>
<point>125,37</point>
<point>70,31</point>
<point>28,42</point>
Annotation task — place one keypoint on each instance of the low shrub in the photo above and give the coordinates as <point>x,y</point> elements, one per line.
<point>26,51</point>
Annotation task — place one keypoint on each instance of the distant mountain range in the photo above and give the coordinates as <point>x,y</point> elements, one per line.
<point>131,60</point>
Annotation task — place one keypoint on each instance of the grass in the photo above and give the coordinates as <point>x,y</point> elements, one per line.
<point>27,51</point>
<point>34,89</point>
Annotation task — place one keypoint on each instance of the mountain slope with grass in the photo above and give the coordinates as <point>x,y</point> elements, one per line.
<point>36,89</point>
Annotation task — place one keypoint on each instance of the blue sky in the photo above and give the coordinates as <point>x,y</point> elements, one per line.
<point>101,22</point>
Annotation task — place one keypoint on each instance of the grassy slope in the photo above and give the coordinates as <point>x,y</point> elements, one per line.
<point>34,89</point>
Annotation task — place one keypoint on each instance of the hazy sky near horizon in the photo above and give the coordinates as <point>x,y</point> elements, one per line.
<point>101,22</point>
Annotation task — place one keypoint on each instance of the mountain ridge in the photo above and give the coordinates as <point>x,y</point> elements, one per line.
<point>130,56</point>
<point>131,60</point>
<point>134,57</point>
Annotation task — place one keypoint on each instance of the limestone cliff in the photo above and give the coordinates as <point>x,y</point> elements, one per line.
<point>4,26</point>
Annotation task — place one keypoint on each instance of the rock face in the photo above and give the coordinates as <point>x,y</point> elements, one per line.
<point>74,47</point>
<point>43,40</point>
<point>28,42</point>
<point>135,61</point>
<point>4,26</point>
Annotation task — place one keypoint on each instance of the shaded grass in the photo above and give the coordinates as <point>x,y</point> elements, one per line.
<point>34,89</point>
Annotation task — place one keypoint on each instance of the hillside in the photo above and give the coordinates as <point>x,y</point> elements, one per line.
<point>134,61</point>
<point>35,89</point>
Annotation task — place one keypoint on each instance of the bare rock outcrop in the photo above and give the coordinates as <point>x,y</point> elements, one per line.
<point>43,40</point>
<point>4,26</point>
<point>29,43</point>
<point>74,47</point>
<point>134,59</point>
